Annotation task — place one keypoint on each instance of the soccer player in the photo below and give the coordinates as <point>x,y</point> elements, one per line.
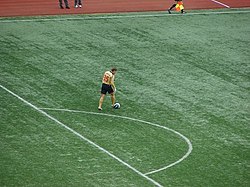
<point>178,5</point>
<point>108,85</point>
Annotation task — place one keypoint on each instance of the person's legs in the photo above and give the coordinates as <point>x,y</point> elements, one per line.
<point>169,10</point>
<point>60,4</point>
<point>172,6</point>
<point>66,3</point>
<point>101,101</point>
<point>76,4</point>
<point>112,99</point>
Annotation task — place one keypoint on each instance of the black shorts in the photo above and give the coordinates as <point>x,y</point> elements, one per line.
<point>106,88</point>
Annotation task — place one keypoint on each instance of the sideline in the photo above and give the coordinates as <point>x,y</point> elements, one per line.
<point>128,15</point>
<point>222,4</point>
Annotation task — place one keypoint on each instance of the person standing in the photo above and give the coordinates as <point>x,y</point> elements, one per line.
<point>78,3</point>
<point>178,6</point>
<point>108,85</point>
<point>66,4</point>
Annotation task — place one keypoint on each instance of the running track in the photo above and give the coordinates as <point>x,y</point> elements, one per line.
<point>10,8</point>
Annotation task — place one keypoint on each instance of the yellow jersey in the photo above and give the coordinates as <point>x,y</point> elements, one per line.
<point>108,78</point>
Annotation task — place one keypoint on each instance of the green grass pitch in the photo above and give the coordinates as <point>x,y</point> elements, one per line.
<point>187,73</point>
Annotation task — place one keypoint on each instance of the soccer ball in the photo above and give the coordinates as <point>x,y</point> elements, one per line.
<point>117,105</point>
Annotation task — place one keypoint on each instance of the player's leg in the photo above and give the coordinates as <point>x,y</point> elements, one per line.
<point>169,10</point>
<point>111,91</point>
<point>101,101</point>
<point>104,90</point>
<point>112,99</point>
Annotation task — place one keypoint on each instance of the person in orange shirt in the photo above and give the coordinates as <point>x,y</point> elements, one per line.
<point>178,5</point>
<point>108,85</point>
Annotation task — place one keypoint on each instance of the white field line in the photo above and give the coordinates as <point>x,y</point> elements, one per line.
<point>82,137</point>
<point>220,3</point>
<point>141,121</point>
<point>3,20</point>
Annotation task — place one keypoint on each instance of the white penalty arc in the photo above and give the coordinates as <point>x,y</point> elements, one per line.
<point>81,136</point>
<point>41,111</point>
<point>190,147</point>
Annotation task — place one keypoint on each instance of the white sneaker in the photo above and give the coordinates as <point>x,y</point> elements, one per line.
<point>99,108</point>
<point>76,6</point>
<point>80,6</point>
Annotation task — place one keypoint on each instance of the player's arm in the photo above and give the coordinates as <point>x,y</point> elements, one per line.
<point>113,87</point>
<point>113,84</point>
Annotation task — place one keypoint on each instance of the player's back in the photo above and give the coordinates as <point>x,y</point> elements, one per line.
<point>107,78</point>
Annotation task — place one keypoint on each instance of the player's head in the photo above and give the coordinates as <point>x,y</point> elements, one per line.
<point>113,70</point>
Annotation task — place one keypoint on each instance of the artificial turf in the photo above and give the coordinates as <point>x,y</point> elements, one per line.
<point>189,73</point>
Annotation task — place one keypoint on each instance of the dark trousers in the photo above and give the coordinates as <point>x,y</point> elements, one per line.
<point>65,2</point>
<point>172,6</point>
<point>78,2</point>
